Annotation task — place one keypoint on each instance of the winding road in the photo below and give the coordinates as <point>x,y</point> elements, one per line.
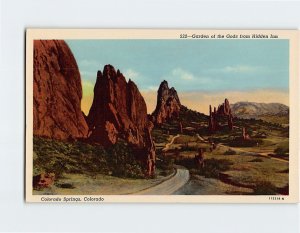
<point>169,186</point>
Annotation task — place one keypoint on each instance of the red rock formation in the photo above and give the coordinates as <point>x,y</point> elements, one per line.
<point>245,135</point>
<point>199,159</point>
<point>168,104</point>
<point>150,149</point>
<point>230,121</point>
<point>43,180</point>
<point>119,111</point>
<point>180,127</point>
<point>223,110</point>
<point>57,92</point>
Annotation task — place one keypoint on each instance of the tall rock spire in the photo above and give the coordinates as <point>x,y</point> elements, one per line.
<point>168,104</point>
<point>119,111</point>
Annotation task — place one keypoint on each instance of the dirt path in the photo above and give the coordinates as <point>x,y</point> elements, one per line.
<point>169,186</point>
<point>201,138</point>
<point>170,143</point>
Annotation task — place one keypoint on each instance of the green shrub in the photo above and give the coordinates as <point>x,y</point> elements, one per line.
<point>62,157</point>
<point>281,151</point>
<point>166,165</point>
<point>264,188</point>
<point>230,152</point>
<point>212,167</point>
<point>256,160</point>
<point>239,142</point>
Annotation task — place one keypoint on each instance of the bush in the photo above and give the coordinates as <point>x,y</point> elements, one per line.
<point>256,160</point>
<point>159,136</point>
<point>264,188</point>
<point>166,165</point>
<point>239,142</point>
<point>212,167</point>
<point>187,115</point>
<point>78,157</point>
<point>230,152</point>
<point>281,151</point>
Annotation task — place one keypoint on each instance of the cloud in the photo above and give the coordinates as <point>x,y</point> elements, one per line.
<point>88,69</point>
<point>183,79</point>
<point>86,74</point>
<point>240,69</point>
<point>85,63</point>
<point>153,88</point>
<point>183,74</point>
<point>131,74</point>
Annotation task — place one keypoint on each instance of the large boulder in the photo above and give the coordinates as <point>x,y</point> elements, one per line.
<point>168,104</point>
<point>57,92</point>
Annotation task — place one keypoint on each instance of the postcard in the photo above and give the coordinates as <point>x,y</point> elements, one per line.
<point>169,116</point>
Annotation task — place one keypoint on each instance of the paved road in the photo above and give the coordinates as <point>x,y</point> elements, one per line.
<point>169,186</point>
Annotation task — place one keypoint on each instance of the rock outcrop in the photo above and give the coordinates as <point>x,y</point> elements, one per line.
<point>223,110</point>
<point>119,111</point>
<point>43,180</point>
<point>168,104</point>
<point>57,92</point>
<point>245,135</point>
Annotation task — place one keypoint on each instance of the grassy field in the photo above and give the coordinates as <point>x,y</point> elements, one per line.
<point>253,167</point>
<point>239,169</point>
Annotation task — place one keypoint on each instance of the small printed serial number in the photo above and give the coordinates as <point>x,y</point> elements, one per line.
<point>276,198</point>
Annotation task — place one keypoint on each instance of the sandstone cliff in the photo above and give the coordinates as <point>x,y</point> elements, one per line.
<point>168,104</point>
<point>119,111</point>
<point>57,92</point>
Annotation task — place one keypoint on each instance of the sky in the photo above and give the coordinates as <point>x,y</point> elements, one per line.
<point>202,71</point>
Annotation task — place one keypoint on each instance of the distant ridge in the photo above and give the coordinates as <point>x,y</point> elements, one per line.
<point>265,111</point>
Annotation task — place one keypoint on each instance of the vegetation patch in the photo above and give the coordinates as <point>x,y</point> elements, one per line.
<point>264,188</point>
<point>58,157</point>
<point>239,142</point>
<point>166,165</point>
<point>212,167</point>
<point>64,185</point>
<point>230,152</point>
<point>256,160</point>
<point>159,136</point>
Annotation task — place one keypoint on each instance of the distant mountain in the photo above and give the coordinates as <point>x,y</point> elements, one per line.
<point>266,111</point>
